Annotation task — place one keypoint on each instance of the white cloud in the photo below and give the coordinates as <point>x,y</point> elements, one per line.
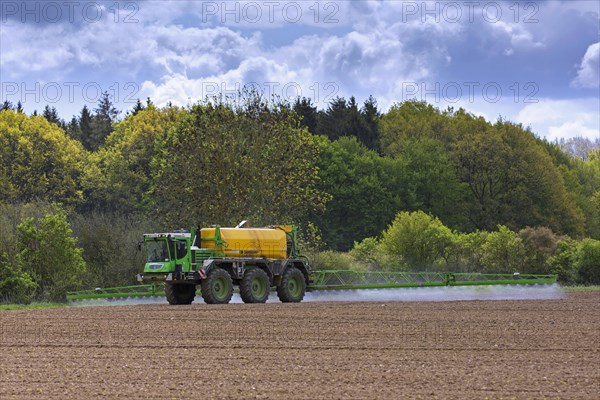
<point>520,37</point>
<point>573,129</point>
<point>588,75</point>
<point>375,47</point>
<point>263,74</point>
<point>555,119</point>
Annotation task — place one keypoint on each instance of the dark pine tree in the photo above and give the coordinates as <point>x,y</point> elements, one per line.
<point>371,116</point>
<point>105,115</point>
<point>139,106</point>
<point>73,129</point>
<point>355,123</point>
<point>85,127</point>
<point>307,113</point>
<point>333,123</point>
<point>7,105</point>
<point>51,115</point>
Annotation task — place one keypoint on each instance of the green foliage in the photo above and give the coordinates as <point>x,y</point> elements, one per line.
<point>417,241</point>
<point>309,238</point>
<point>221,164</point>
<point>307,113</point>
<point>11,216</point>
<point>503,252</point>
<point>218,162</point>
<point>38,161</point>
<point>109,242</point>
<point>587,261</point>
<point>509,175</point>
<point>409,120</point>
<point>365,190</point>
<point>467,254</point>
<point>540,244</point>
<point>49,253</point>
<point>344,118</point>
<point>432,184</point>
<point>119,175</point>
<point>16,286</point>
<point>562,263</point>
<point>334,260</point>
<point>367,252</point>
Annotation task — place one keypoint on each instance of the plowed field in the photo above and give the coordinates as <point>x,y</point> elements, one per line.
<point>463,349</point>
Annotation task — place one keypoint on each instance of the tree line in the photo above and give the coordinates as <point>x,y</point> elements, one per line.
<point>343,174</point>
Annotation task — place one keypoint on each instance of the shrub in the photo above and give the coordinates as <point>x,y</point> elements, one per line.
<point>540,244</point>
<point>417,241</point>
<point>334,260</point>
<point>466,254</point>
<point>50,254</point>
<point>587,261</point>
<point>503,252</point>
<point>16,286</point>
<point>109,243</point>
<point>368,252</point>
<point>562,263</point>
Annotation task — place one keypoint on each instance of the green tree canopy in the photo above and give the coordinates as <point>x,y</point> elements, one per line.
<point>38,161</point>
<point>221,164</point>
<point>366,191</point>
<point>119,175</point>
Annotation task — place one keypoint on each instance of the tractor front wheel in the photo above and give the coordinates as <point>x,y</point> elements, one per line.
<point>217,288</point>
<point>180,293</point>
<point>255,286</point>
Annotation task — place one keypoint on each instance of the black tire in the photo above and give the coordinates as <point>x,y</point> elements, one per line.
<point>255,286</point>
<point>217,288</point>
<point>292,287</point>
<point>180,293</point>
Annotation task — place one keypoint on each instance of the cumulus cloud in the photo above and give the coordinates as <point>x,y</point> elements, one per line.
<point>266,76</point>
<point>555,119</point>
<point>588,75</point>
<point>183,51</point>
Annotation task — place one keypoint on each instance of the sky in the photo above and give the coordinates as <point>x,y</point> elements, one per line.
<point>531,62</point>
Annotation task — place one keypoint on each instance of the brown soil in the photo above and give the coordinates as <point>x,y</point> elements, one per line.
<point>469,349</point>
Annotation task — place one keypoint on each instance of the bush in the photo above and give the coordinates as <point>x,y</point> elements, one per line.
<point>562,263</point>
<point>540,244</point>
<point>50,254</point>
<point>15,286</point>
<point>503,252</point>
<point>417,241</point>
<point>368,252</point>
<point>587,261</point>
<point>109,243</point>
<point>466,254</point>
<point>334,260</point>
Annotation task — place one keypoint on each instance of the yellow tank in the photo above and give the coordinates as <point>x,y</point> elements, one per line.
<point>247,242</point>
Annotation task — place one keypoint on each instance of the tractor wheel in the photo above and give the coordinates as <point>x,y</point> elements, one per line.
<point>292,287</point>
<point>180,293</point>
<point>217,288</point>
<point>255,286</point>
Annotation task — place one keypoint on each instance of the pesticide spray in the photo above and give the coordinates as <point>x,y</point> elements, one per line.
<point>411,294</point>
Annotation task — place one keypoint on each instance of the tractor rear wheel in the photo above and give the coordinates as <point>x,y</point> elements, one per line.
<point>180,293</point>
<point>292,287</point>
<point>217,288</point>
<point>255,286</point>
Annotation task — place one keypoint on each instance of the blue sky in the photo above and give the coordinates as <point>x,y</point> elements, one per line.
<point>531,62</point>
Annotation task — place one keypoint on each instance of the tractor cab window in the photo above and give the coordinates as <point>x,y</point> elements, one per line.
<point>157,251</point>
<point>181,247</point>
